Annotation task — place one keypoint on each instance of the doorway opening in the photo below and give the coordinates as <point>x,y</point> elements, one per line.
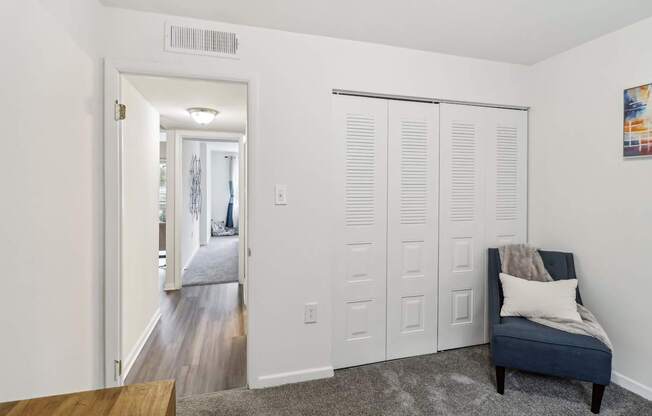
<point>182,298</point>
<point>212,258</point>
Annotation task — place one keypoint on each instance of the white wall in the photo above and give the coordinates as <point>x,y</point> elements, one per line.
<point>140,280</point>
<point>220,175</point>
<point>52,198</point>
<point>204,220</point>
<point>189,224</point>
<point>585,198</point>
<point>292,145</point>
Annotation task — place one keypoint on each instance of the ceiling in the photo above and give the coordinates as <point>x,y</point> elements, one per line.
<point>173,96</point>
<point>517,31</point>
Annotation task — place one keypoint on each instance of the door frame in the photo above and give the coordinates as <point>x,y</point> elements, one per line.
<point>113,197</point>
<point>175,200</point>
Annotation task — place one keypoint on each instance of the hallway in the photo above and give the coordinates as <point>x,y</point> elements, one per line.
<point>216,262</point>
<point>200,341</point>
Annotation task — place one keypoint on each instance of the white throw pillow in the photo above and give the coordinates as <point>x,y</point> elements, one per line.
<point>531,299</point>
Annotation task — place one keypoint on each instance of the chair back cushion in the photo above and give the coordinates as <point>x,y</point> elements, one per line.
<point>534,299</point>
<point>560,265</point>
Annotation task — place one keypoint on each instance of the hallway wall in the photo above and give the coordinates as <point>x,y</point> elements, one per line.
<point>189,224</point>
<point>206,179</point>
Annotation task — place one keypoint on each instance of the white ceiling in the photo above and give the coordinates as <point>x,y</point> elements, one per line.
<point>173,96</point>
<point>517,31</point>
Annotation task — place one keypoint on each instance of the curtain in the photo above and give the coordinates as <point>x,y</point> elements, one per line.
<point>232,214</point>
<point>235,180</point>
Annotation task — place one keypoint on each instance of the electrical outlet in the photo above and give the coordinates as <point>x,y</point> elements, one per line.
<point>310,313</point>
<point>281,194</point>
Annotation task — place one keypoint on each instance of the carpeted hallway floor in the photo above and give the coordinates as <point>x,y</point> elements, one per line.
<point>216,262</point>
<point>458,382</point>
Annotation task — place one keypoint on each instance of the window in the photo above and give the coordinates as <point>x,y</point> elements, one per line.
<point>163,191</point>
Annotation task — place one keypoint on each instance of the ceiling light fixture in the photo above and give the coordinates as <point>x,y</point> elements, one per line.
<point>202,115</point>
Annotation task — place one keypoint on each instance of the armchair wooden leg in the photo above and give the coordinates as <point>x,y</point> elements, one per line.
<point>500,380</point>
<point>596,400</point>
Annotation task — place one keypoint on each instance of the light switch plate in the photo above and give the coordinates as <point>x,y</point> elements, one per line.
<point>310,313</point>
<point>281,194</point>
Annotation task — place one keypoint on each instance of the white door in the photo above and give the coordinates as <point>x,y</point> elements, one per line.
<point>140,284</point>
<point>359,307</point>
<point>506,184</point>
<point>483,204</point>
<point>243,219</point>
<point>413,147</point>
<point>506,172</point>
<point>461,255</point>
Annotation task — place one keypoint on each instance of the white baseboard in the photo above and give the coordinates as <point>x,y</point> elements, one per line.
<point>292,377</point>
<point>631,385</point>
<point>135,352</point>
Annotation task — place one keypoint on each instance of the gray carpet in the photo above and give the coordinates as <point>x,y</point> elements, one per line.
<point>458,382</point>
<point>216,262</point>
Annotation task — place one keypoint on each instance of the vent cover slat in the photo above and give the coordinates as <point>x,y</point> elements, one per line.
<point>414,171</point>
<point>200,41</point>
<point>463,172</point>
<point>506,173</point>
<point>360,165</point>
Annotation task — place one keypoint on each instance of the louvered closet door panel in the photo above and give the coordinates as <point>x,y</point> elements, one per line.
<point>506,173</point>
<point>412,236</point>
<point>359,296</point>
<point>461,243</point>
<point>507,178</point>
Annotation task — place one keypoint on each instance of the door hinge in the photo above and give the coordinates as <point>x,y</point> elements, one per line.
<point>120,111</point>
<point>117,369</point>
<point>248,252</point>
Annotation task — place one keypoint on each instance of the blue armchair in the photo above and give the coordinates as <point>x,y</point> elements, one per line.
<point>521,344</point>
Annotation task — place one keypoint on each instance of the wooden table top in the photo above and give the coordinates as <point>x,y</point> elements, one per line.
<point>148,399</point>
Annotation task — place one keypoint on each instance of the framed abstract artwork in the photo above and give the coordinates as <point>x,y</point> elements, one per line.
<point>195,187</point>
<point>637,129</point>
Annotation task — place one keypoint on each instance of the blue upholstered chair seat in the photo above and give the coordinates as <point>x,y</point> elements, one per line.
<point>522,344</point>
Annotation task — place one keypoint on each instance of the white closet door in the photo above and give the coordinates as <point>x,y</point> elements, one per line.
<point>359,296</point>
<point>462,243</point>
<point>412,235</point>
<point>507,178</point>
<point>506,186</point>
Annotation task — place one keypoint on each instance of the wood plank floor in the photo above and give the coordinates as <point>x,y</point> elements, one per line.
<point>200,341</point>
<point>151,399</point>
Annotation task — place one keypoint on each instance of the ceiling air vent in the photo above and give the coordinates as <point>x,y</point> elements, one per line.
<point>200,41</point>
